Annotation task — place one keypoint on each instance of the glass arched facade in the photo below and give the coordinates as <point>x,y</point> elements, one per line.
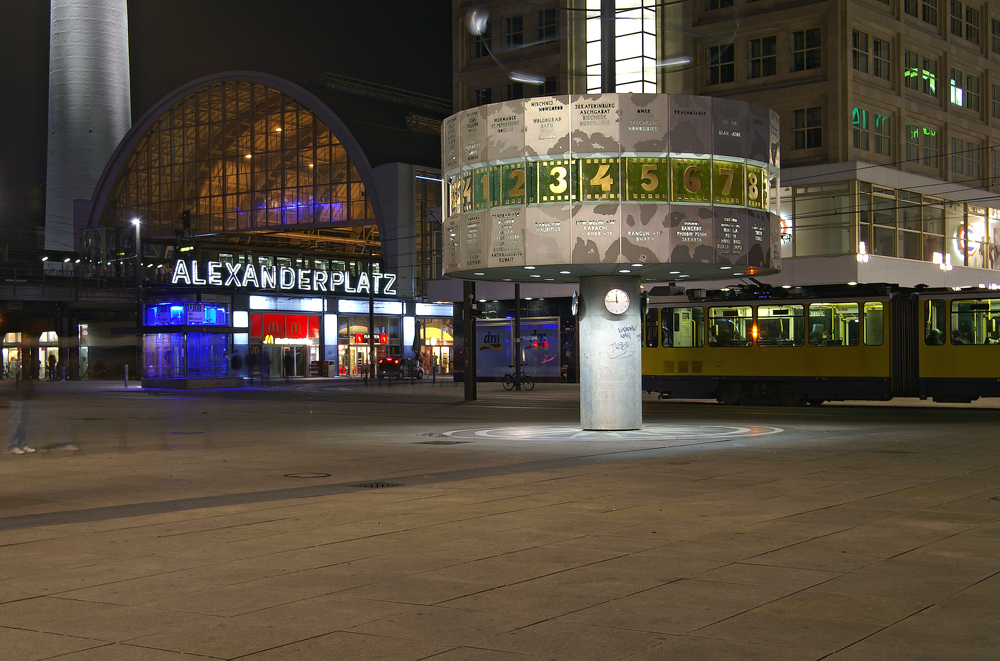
<point>237,156</point>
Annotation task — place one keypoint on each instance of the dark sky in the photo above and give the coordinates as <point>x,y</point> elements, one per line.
<point>171,42</point>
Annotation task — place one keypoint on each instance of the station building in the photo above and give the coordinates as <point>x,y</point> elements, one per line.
<point>246,214</point>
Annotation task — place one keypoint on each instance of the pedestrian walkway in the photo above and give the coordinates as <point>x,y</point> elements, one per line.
<point>328,520</point>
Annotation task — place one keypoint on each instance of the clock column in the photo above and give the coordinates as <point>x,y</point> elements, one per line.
<point>610,354</point>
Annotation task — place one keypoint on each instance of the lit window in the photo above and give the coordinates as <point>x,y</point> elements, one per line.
<point>635,46</point>
<point>860,130</point>
<point>965,89</point>
<point>912,137</point>
<point>929,147</point>
<point>882,131</point>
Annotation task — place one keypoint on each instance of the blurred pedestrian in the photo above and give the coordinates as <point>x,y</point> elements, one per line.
<point>17,425</point>
<point>265,366</point>
<point>51,371</point>
<point>237,364</point>
<point>289,364</point>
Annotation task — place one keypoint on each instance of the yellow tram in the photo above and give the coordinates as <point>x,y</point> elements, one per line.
<point>815,344</point>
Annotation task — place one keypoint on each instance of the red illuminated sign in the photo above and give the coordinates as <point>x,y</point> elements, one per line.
<point>362,338</point>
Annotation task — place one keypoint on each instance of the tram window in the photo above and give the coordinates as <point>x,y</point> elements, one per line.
<point>730,326</point>
<point>975,321</point>
<point>651,329</point>
<point>834,325</point>
<point>873,323</point>
<point>934,322</point>
<point>687,327</point>
<point>781,325</point>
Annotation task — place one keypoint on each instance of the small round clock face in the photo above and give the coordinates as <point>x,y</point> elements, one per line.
<point>616,301</point>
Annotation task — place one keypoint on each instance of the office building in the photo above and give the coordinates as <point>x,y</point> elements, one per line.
<point>889,109</point>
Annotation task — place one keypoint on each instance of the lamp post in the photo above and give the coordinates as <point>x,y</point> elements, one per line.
<point>138,299</point>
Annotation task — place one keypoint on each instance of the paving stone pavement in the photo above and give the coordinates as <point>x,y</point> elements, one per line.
<point>330,520</point>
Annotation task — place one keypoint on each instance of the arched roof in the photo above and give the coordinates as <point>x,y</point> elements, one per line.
<point>321,110</point>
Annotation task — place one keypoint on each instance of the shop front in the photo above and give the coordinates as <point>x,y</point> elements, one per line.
<point>434,343</point>
<point>12,355</point>
<point>291,331</point>
<point>286,344</point>
<point>189,346</point>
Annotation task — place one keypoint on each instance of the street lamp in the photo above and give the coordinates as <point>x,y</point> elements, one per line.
<point>138,255</point>
<point>138,298</point>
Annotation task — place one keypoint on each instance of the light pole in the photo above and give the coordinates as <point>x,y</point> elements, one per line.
<point>138,299</point>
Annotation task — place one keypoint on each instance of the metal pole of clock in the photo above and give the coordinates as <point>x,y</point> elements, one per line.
<point>517,336</point>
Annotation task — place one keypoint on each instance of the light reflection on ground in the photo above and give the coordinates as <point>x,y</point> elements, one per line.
<point>647,433</point>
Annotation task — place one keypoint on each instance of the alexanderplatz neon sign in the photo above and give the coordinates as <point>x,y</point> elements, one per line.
<point>281,278</point>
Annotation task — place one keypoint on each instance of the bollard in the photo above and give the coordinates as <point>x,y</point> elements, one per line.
<point>126,376</point>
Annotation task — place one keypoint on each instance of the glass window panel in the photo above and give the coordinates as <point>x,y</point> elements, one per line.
<point>651,329</point>
<point>730,326</point>
<point>683,327</point>
<point>934,322</point>
<point>975,321</point>
<point>833,324</point>
<point>909,245</point>
<point>781,325</point>
<point>874,323</point>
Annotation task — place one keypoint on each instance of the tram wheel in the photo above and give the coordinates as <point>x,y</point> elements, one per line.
<point>788,395</point>
<point>729,393</point>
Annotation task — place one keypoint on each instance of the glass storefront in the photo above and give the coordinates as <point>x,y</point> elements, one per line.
<point>540,347</point>
<point>11,356</point>
<point>354,350</point>
<point>436,341</point>
<point>178,352</point>
<point>859,217</point>
<point>291,343</point>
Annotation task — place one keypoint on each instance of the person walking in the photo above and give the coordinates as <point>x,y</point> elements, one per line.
<point>289,364</point>
<point>52,367</point>
<point>17,440</point>
<point>237,364</point>
<point>265,366</point>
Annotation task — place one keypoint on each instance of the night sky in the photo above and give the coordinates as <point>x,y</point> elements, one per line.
<point>171,42</point>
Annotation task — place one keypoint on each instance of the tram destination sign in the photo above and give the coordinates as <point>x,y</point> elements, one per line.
<point>281,278</point>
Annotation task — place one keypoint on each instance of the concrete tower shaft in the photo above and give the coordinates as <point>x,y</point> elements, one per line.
<point>89,105</point>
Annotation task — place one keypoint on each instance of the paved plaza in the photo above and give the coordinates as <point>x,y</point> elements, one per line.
<point>329,520</point>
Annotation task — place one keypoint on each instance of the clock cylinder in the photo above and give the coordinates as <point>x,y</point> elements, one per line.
<point>610,356</point>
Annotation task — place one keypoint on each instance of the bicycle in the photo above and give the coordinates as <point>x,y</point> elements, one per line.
<point>527,383</point>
